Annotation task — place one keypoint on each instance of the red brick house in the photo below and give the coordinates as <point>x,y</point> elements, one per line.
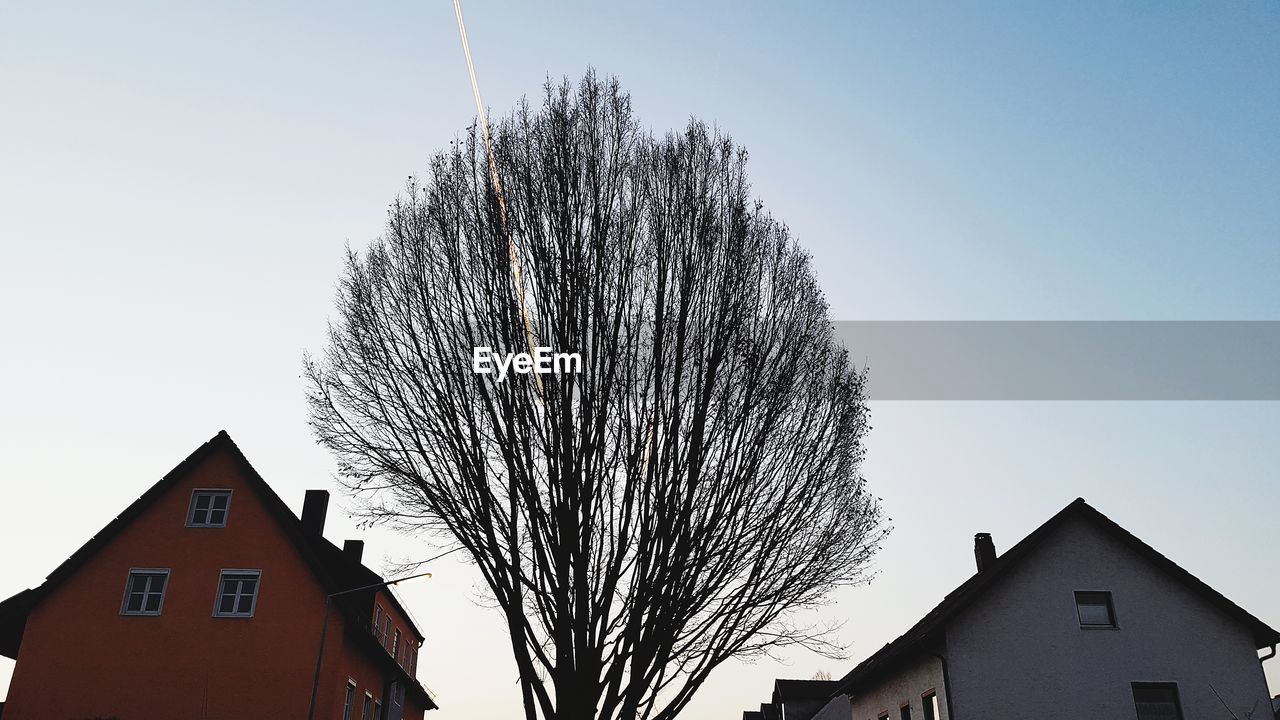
<point>205,599</point>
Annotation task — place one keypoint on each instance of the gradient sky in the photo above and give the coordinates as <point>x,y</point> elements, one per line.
<point>178,181</point>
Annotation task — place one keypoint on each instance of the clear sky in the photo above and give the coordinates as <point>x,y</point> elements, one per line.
<point>178,181</point>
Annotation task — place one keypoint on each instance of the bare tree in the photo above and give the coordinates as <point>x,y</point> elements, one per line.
<point>680,499</point>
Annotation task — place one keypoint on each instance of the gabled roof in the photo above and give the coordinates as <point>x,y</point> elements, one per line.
<point>789,690</point>
<point>335,570</point>
<point>926,635</point>
<point>802,689</point>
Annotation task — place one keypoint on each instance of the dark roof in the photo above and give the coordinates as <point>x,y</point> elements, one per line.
<point>784,690</point>
<point>13,621</point>
<point>803,689</point>
<point>927,634</point>
<point>336,571</point>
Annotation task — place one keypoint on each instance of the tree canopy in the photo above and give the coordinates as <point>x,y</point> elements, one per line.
<point>684,495</point>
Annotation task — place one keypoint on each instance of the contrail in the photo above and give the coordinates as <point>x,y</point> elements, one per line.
<point>497,188</point>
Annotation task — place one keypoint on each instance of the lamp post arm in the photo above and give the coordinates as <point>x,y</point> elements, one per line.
<point>374,586</point>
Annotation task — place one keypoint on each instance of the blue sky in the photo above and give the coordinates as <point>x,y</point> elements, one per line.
<point>178,181</point>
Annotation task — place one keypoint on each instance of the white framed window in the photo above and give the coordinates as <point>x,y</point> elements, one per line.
<point>377,710</point>
<point>377,624</point>
<point>395,647</point>
<point>386,630</point>
<point>209,508</point>
<point>350,702</point>
<point>237,593</point>
<point>144,591</point>
<point>930,703</point>
<point>366,710</point>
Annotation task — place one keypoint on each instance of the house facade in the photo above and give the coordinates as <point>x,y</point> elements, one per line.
<point>208,598</point>
<point>1079,620</point>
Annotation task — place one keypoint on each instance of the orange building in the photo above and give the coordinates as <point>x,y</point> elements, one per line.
<point>207,598</point>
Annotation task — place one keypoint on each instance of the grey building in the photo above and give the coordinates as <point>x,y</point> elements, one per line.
<point>1078,620</point>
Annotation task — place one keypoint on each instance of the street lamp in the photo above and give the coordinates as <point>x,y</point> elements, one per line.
<point>324,630</point>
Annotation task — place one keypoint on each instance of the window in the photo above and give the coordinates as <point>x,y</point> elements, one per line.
<point>883,716</point>
<point>237,593</point>
<point>395,647</point>
<point>144,592</point>
<point>1157,701</point>
<point>377,710</point>
<point>393,696</point>
<point>904,712</point>
<point>377,624</point>
<point>350,701</point>
<point>386,631</point>
<point>1095,609</point>
<point>209,508</point>
<point>411,663</point>
<point>367,708</point>
<point>929,701</point>
<point>396,699</point>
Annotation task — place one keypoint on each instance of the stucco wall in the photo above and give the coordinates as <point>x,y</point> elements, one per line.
<point>906,688</point>
<point>1021,651</point>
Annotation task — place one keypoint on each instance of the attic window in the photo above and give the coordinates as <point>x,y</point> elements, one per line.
<point>237,593</point>
<point>209,508</point>
<point>144,592</point>
<point>1157,701</point>
<point>1095,610</point>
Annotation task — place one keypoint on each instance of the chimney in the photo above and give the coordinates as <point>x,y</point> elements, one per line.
<point>353,550</point>
<point>314,508</point>
<point>984,551</point>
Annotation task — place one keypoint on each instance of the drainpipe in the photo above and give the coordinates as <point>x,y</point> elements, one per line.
<point>946,684</point>
<point>1270,654</point>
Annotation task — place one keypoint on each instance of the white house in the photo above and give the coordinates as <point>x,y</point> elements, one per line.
<point>1080,620</point>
